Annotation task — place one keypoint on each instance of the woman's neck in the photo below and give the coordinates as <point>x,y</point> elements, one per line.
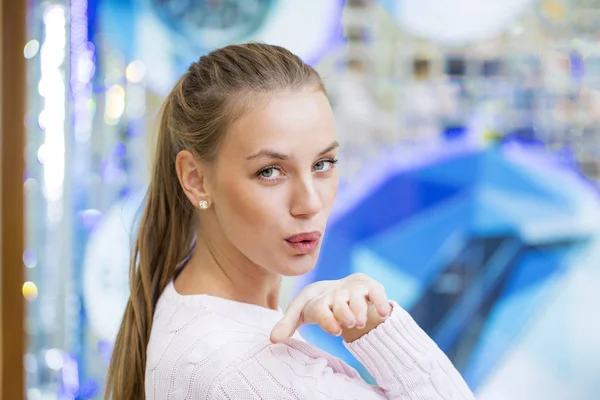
<point>214,271</point>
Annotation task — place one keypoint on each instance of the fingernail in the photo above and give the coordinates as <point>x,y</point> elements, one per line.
<point>339,333</point>
<point>383,312</point>
<point>351,324</point>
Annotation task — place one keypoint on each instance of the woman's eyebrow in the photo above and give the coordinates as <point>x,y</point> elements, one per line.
<point>280,156</point>
<point>332,146</point>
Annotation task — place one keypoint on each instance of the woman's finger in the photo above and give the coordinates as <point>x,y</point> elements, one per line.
<point>291,320</point>
<point>319,311</point>
<point>341,309</point>
<point>359,306</point>
<point>378,298</point>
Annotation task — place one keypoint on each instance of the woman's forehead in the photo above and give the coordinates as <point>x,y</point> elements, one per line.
<point>290,122</point>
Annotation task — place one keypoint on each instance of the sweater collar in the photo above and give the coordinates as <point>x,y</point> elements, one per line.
<point>249,314</point>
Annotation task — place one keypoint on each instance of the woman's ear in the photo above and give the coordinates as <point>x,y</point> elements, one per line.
<point>192,178</point>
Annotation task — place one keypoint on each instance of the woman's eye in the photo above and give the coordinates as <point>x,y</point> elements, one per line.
<point>324,165</point>
<point>270,173</point>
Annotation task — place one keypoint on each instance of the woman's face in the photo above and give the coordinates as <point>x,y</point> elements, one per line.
<point>274,182</point>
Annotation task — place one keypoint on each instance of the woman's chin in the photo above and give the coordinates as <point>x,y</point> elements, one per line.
<point>299,264</point>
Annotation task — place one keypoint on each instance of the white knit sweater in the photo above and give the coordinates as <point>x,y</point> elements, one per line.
<point>205,347</point>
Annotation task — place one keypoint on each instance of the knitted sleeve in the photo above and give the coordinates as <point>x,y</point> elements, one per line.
<point>405,362</point>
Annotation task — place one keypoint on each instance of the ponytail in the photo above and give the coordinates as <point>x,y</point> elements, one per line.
<point>164,241</point>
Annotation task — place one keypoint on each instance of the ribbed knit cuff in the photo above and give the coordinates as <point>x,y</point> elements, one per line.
<point>404,360</point>
<point>395,349</point>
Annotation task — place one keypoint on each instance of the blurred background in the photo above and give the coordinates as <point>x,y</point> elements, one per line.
<point>470,164</point>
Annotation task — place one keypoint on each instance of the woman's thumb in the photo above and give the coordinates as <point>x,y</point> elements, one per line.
<point>292,319</point>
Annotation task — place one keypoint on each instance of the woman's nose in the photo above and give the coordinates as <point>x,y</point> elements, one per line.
<point>306,200</point>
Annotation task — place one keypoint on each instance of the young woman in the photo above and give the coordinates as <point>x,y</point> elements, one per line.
<point>243,183</point>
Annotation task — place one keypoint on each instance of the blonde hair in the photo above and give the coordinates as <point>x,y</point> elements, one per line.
<point>195,117</point>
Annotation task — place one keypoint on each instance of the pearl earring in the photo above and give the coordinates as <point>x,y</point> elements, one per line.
<point>203,204</point>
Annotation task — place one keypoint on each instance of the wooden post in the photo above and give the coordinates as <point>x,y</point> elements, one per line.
<point>12,166</point>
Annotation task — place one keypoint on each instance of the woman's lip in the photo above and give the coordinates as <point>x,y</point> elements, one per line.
<point>305,246</point>
<point>304,237</point>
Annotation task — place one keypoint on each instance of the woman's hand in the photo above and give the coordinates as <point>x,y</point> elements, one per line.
<point>349,307</point>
